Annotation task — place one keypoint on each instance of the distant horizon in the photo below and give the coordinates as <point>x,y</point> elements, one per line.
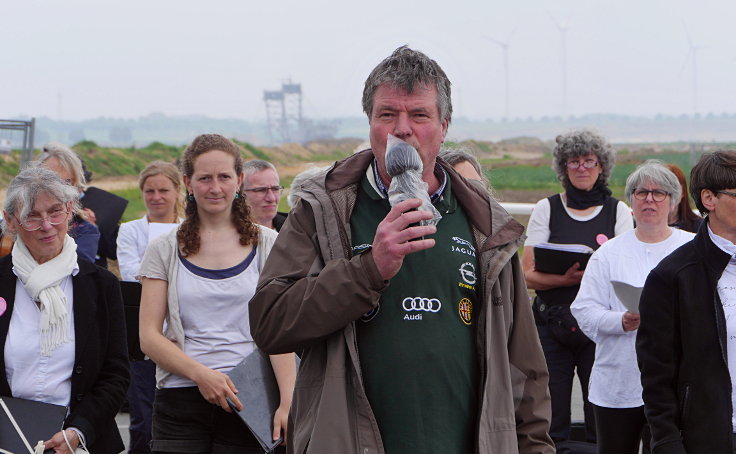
<point>455,118</point>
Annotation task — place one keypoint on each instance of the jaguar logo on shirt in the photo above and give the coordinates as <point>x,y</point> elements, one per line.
<point>359,249</point>
<point>462,246</point>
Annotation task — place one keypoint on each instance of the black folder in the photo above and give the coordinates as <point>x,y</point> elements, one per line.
<point>555,261</point>
<point>258,391</point>
<point>37,420</point>
<point>132,305</point>
<point>108,207</point>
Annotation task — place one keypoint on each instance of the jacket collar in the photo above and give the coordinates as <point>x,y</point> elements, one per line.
<point>714,258</point>
<point>483,212</point>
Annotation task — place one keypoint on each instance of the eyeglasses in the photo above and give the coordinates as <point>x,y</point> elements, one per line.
<point>262,190</point>
<point>732,194</point>
<point>658,195</point>
<point>588,164</point>
<point>32,223</point>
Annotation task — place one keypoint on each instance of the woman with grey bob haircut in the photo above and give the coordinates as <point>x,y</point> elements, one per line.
<point>584,213</point>
<point>654,171</point>
<point>611,319</point>
<point>25,188</point>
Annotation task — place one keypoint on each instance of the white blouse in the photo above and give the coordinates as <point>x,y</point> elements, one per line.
<point>133,239</point>
<point>615,381</point>
<point>30,375</point>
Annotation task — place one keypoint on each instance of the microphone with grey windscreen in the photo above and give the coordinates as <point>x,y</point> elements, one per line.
<point>405,167</point>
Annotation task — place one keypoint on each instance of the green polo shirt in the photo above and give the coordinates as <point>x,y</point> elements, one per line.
<point>417,350</point>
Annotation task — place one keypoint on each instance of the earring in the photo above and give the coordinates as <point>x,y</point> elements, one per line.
<point>190,197</point>
<point>237,196</point>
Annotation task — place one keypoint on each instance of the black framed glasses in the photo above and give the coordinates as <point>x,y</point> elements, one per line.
<point>262,190</point>
<point>588,164</point>
<point>32,223</point>
<point>732,194</point>
<point>658,195</point>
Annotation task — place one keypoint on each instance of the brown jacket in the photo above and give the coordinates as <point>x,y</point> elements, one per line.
<point>312,290</point>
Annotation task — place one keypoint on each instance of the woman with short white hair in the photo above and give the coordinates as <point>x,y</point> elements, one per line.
<point>615,386</point>
<point>67,165</point>
<point>62,329</point>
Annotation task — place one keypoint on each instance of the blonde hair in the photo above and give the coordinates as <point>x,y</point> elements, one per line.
<point>171,172</point>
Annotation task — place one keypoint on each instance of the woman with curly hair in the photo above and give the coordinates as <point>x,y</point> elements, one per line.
<point>585,213</point>
<point>199,279</point>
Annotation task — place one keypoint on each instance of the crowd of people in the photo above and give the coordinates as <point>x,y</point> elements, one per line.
<point>387,328</point>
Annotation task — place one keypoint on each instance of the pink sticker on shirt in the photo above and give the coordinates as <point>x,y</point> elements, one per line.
<point>3,305</point>
<point>600,239</point>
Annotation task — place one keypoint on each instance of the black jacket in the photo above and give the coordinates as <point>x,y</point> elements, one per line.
<point>681,349</point>
<point>100,377</point>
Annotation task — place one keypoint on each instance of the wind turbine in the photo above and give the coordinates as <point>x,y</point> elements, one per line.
<point>692,53</point>
<point>563,28</point>
<point>504,45</point>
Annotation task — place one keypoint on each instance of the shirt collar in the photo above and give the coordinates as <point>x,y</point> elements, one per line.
<point>381,188</point>
<point>723,244</point>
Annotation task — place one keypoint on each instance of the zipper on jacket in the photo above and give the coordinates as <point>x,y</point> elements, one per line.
<point>481,346</point>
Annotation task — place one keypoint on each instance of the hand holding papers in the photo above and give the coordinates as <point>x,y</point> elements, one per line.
<point>628,294</point>
<point>555,258</point>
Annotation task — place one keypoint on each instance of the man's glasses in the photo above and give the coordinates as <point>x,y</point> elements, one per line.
<point>732,194</point>
<point>32,223</point>
<point>657,194</point>
<point>262,190</point>
<point>588,164</point>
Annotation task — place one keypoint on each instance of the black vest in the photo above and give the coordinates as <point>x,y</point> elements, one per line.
<point>565,230</point>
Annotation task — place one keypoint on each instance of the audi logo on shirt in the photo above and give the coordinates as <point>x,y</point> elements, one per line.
<point>419,303</point>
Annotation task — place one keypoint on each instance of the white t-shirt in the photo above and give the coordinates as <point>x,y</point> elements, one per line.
<point>214,315</point>
<point>538,229</point>
<point>615,381</point>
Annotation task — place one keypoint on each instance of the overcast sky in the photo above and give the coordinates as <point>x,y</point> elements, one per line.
<point>79,59</point>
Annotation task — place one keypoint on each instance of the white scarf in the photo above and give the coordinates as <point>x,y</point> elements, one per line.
<point>42,282</point>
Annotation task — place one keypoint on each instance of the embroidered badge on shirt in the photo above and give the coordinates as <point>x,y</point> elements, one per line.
<point>465,309</point>
<point>467,273</point>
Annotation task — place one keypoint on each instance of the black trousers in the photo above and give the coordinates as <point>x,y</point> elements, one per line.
<point>620,430</point>
<point>562,363</point>
<point>185,423</point>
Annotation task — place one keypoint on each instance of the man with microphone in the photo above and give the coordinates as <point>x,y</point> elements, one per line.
<point>414,337</point>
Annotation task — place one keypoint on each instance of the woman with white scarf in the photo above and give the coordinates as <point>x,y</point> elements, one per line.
<point>62,334</point>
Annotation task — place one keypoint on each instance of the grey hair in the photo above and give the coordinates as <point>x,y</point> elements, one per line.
<point>654,171</point>
<point>254,166</point>
<point>579,143</point>
<point>68,160</point>
<point>458,155</point>
<point>25,188</point>
<point>299,180</point>
<point>406,69</point>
